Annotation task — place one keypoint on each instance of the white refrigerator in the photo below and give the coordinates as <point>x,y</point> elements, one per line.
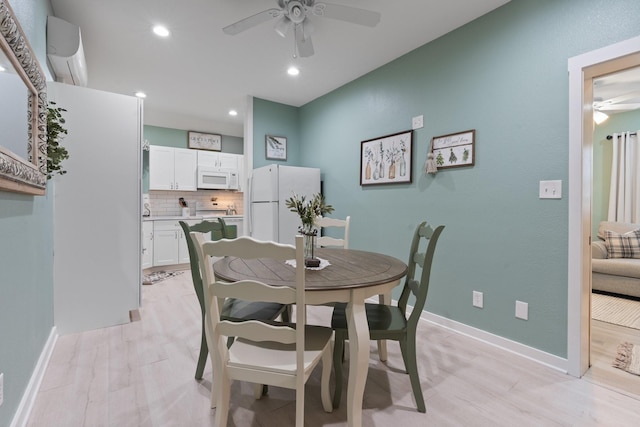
<point>270,186</point>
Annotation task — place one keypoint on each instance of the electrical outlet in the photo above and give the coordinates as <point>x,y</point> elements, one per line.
<point>1,389</point>
<point>478,300</point>
<point>522,310</point>
<point>417,122</point>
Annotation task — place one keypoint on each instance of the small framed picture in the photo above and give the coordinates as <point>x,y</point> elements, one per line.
<point>454,150</point>
<point>204,141</point>
<point>276,147</point>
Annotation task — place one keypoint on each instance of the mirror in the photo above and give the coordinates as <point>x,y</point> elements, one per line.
<point>13,109</point>
<point>23,144</point>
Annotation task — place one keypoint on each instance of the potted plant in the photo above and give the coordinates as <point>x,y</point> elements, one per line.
<point>56,153</point>
<point>308,211</point>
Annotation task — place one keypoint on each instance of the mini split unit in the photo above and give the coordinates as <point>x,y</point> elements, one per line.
<point>65,53</point>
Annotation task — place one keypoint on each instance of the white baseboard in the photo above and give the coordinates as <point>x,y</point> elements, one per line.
<point>511,346</point>
<point>21,416</point>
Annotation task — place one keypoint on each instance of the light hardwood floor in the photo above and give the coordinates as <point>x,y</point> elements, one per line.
<point>605,338</point>
<point>141,374</point>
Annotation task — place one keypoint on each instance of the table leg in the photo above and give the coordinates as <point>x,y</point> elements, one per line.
<point>358,356</point>
<point>382,344</point>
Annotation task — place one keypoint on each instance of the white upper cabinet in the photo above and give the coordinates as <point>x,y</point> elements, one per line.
<point>172,168</point>
<point>215,160</point>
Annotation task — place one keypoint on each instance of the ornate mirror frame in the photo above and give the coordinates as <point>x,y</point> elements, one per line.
<point>20,175</point>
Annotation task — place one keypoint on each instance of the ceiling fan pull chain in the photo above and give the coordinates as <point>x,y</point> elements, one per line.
<point>295,48</point>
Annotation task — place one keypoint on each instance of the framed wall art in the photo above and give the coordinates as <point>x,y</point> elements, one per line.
<point>23,143</point>
<point>204,141</point>
<point>276,147</point>
<point>386,160</point>
<point>454,150</point>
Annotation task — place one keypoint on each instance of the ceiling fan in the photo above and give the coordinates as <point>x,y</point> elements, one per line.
<point>627,102</point>
<point>294,13</point>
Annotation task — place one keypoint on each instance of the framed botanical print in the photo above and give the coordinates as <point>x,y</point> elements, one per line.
<point>387,159</point>
<point>454,150</point>
<point>276,147</point>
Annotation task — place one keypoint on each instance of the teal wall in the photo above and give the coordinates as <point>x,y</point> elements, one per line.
<point>602,154</point>
<point>26,257</point>
<point>179,138</point>
<point>272,118</point>
<point>504,75</point>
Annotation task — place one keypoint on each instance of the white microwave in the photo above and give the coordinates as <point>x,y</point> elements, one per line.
<point>216,179</point>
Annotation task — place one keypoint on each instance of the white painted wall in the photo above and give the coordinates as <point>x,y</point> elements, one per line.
<point>97,218</point>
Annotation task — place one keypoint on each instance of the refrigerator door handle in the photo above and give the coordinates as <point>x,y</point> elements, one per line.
<point>250,206</point>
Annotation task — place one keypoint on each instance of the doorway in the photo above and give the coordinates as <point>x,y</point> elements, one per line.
<point>582,70</point>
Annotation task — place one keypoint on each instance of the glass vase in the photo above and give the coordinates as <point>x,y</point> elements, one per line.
<point>309,247</point>
<point>309,243</point>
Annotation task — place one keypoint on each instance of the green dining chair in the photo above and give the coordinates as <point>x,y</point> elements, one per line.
<point>232,308</point>
<point>390,322</point>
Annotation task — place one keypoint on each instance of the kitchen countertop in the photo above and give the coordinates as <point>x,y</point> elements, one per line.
<point>179,217</point>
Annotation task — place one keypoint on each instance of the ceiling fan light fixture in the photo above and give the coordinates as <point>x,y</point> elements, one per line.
<point>161,30</point>
<point>599,117</point>
<point>282,26</point>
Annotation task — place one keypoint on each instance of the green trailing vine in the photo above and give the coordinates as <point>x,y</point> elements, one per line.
<point>56,153</point>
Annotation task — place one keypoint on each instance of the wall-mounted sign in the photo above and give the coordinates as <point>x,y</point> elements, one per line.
<point>204,141</point>
<point>454,150</point>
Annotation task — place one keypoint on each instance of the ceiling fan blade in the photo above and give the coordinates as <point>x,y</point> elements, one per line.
<point>354,15</point>
<point>305,47</point>
<point>618,107</point>
<point>622,98</point>
<point>252,21</point>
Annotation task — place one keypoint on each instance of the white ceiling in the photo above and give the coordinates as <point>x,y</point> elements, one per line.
<point>196,75</point>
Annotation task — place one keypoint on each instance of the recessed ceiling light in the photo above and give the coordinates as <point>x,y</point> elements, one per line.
<point>161,31</point>
<point>233,113</point>
<point>293,71</point>
<point>2,69</point>
<point>141,94</point>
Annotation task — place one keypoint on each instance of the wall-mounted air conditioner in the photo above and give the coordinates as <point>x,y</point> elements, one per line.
<point>65,53</point>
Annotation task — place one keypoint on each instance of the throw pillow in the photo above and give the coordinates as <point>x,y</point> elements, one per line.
<point>625,245</point>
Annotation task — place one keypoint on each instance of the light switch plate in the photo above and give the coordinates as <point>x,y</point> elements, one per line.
<point>478,299</point>
<point>551,189</point>
<point>522,310</point>
<point>417,122</point>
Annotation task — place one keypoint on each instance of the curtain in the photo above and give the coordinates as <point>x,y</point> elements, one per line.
<point>624,200</point>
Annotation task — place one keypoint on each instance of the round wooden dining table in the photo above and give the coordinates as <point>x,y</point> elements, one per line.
<point>351,277</point>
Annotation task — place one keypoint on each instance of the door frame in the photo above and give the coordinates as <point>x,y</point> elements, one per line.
<point>582,70</point>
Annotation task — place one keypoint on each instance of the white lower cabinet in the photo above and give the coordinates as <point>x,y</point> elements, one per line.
<point>164,242</point>
<point>169,243</point>
<point>147,244</point>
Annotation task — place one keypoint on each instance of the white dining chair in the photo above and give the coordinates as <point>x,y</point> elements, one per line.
<point>324,222</point>
<point>276,354</point>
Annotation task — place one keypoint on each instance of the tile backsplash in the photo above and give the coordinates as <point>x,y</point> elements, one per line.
<point>165,203</point>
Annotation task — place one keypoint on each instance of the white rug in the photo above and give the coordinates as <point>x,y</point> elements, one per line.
<point>619,311</point>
